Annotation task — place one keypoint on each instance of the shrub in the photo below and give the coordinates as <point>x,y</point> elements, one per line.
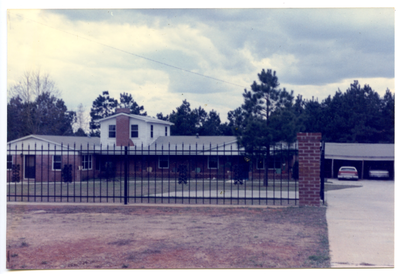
<point>15,173</point>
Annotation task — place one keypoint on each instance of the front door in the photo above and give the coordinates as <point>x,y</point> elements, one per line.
<point>30,166</point>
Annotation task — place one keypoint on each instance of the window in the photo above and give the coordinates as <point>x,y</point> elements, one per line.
<point>111,131</point>
<point>260,163</point>
<point>212,162</point>
<point>166,131</point>
<point>134,131</point>
<point>163,162</point>
<point>151,131</point>
<point>9,161</point>
<point>56,162</point>
<point>87,161</point>
<point>275,163</point>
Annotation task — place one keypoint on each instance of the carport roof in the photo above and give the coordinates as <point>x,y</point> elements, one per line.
<point>360,152</point>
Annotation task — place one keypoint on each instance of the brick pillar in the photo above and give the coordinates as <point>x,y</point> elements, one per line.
<point>122,128</point>
<point>309,168</point>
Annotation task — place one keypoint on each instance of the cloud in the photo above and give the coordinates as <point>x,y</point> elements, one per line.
<point>149,53</point>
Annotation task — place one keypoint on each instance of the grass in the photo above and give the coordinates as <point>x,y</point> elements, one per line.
<point>143,190</point>
<point>321,258</point>
<point>291,237</point>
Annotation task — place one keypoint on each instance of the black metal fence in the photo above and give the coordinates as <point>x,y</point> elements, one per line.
<point>322,173</point>
<point>173,174</point>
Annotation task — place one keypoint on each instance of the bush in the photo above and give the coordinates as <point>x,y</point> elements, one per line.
<point>15,174</point>
<point>107,171</point>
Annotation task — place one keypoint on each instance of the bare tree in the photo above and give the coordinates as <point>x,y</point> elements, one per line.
<point>32,84</point>
<point>82,120</point>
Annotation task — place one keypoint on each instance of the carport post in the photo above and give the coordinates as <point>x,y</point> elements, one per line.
<point>362,170</point>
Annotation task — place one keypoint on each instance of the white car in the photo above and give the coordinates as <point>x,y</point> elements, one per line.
<point>381,174</point>
<point>348,172</point>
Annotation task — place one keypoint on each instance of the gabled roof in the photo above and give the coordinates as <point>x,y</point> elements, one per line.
<point>66,141</point>
<point>360,152</point>
<point>146,119</point>
<point>190,142</point>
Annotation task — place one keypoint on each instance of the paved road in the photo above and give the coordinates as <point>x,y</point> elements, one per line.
<point>361,224</point>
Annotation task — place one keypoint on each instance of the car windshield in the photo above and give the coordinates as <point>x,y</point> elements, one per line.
<point>347,169</point>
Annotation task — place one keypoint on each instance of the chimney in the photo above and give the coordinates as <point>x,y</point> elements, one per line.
<point>122,128</point>
<point>123,110</point>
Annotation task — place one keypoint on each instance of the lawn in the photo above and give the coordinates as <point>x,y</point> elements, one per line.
<point>144,190</point>
<point>48,236</point>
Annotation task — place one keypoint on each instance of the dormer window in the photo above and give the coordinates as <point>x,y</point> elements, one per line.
<point>111,131</point>
<point>134,131</point>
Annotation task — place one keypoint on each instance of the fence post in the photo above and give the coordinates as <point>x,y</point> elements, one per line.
<point>322,190</point>
<point>126,176</point>
<point>309,168</point>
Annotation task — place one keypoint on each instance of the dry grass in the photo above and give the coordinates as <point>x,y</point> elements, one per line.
<point>59,237</point>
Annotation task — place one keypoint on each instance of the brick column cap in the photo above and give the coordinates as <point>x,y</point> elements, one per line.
<point>123,110</point>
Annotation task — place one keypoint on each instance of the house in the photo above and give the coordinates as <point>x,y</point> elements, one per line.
<point>42,157</point>
<point>142,147</point>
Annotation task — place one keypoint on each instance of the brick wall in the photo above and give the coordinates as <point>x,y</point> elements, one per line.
<point>44,168</point>
<point>122,128</point>
<point>309,168</point>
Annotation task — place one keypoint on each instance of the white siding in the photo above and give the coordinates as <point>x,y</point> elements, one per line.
<point>33,146</point>
<point>144,132</point>
<point>104,140</point>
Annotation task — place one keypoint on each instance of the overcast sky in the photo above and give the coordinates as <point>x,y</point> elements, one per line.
<point>207,56</point>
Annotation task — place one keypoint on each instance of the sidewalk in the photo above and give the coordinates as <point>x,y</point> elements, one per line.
<point>361,224</point>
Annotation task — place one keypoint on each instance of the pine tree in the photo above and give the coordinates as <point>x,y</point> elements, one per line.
<point>184,120</point>
<point>126,101</point>
<point>102,107</point>
<point>266,117</point>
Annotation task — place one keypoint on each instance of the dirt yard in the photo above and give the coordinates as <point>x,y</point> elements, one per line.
<point>88,237</point>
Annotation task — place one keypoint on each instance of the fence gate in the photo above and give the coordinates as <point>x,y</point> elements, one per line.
<point>184,174</point>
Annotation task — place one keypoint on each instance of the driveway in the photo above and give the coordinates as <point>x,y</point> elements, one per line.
<point>361,224</point>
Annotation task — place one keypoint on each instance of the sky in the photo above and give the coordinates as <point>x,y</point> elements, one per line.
<point>205,56</point>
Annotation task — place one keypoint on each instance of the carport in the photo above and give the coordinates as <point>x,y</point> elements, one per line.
<point>362,156</point>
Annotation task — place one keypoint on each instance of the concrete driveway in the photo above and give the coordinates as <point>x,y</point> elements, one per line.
<point>361,224</point>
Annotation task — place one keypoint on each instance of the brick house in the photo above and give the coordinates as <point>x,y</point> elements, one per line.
<point>150,152</point>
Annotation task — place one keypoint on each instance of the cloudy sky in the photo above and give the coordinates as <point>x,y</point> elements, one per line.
<point>207,56</point>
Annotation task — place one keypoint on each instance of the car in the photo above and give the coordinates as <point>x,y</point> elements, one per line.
<point>348,172</point>
<point>378,173</point>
